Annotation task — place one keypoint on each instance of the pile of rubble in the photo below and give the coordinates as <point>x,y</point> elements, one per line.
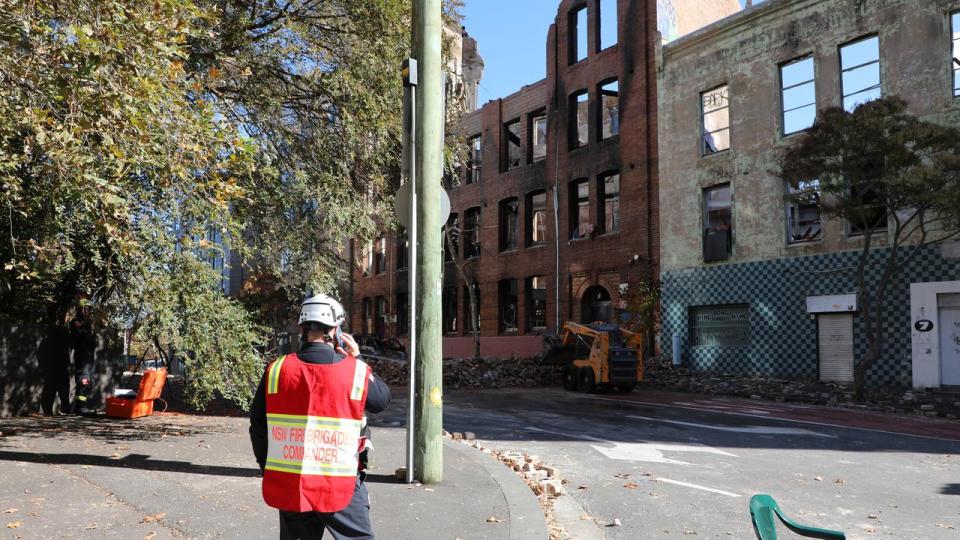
<point>664,376</point>
<point>476,372</point>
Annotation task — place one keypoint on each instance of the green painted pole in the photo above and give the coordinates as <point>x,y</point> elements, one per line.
<point>428,448</point>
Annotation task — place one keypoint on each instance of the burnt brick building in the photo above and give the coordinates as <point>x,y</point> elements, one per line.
<point>557,207</point>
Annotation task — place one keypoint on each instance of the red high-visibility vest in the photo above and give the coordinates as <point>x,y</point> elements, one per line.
<point>314,419</point>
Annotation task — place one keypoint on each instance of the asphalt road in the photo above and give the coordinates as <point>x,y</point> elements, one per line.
<point>683,467</point>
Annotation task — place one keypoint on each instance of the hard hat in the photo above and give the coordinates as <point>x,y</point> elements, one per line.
<point>321,309</point>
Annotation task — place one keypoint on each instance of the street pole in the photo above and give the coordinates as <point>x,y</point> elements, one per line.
<point>410,81</point>
<point>428,451</point>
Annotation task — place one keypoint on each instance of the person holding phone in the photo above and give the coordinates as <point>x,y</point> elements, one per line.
<point>308,429</point>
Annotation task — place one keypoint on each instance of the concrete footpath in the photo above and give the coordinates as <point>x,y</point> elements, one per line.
<point>181,476</point>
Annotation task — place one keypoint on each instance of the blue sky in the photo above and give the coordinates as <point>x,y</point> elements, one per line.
<point>513,47</point>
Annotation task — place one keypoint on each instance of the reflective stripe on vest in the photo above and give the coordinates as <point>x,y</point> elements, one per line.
<point>359,378</point>
<point>273,380</point>
<point>312,445</point>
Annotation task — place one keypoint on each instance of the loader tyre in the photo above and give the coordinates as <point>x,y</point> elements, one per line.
<point>585,379</point>
<point>570,378</point>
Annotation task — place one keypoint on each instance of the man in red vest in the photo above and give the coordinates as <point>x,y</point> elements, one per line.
<point>309,433</point>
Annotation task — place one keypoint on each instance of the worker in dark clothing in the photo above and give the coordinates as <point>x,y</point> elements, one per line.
<point>328,374</point>
<point>84,346</point>
<point>54,358</point>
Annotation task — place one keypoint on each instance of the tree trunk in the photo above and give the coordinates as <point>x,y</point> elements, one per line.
<point>475,319</point>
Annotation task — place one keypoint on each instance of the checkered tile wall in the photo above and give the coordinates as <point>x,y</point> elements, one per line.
<point>783,337</point>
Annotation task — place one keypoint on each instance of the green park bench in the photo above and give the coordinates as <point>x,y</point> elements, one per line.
<point>762,510</point>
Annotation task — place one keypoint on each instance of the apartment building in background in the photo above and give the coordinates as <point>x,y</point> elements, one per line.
<point>753,283</point>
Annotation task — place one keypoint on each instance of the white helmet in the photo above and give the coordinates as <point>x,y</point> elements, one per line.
<point>321,309</point>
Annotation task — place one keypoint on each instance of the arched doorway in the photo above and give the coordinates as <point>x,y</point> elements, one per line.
<point>595,305</point>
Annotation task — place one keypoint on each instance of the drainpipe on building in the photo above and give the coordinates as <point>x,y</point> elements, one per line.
<point>556,180</point>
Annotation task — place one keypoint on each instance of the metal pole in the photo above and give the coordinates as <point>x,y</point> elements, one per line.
<point>428,450</point>
<point>412,240</point>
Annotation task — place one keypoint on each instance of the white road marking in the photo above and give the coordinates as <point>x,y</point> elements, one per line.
<point>753,430</point>
<point>647,451</point>
<point>695,486</point>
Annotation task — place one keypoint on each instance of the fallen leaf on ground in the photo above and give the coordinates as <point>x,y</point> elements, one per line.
<point>690,532</point>
<point>631,485</point>
<point>150,535</point>
<point>92,526</point>
<point>428,489</point>
<point>154,517</point>
<point>14,525</point>
<point>872,516</point>
<point>115,455</point>
<point>870,530</point>
<point>494,519</point>
<point>123,447</point>
<point>838,481</point>
<point>945,526</point>
<point>11,510</point>
<point>583,487</point>
<point>622,475</point>
<point>585,517</point>
<point>818,478</point>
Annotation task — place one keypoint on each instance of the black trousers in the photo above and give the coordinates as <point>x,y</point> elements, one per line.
<point>352,522</point>
<point>56,381</point>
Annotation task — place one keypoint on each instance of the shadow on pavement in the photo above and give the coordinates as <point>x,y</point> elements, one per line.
<point>132,461</point>
<point>151,428</point>
<point>950,489</point>
<point>381,479</point>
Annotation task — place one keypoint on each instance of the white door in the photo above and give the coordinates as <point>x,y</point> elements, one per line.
<point>835,346</point>
<point>949,339</point>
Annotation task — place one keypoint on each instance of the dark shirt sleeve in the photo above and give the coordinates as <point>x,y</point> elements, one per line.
<point>378,395</point>
<point>258,423</point>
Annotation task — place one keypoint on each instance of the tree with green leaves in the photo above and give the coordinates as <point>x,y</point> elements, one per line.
<point>893,178</point>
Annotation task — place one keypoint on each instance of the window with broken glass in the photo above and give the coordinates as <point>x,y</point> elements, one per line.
<point>509,217</point>
<point>609,187</point>
<point>860,72</point>
<point>715,107</point>
<point>536,218</point>
<point>803,211</point>
<point>475,159</point>
<point>872,214</point>
<point>580,224</point>
<point>511,133</point>
<point>538,137</point>
<point>579,119</point>
<point>449,308</point>
<point>577,34</point>
<point>955,47</point>
<point>717,223</point>
<point>508,306</point>
<point>798,95</point>
<point>609,109</point>
<point>471,233</point>
<point>536,302</point>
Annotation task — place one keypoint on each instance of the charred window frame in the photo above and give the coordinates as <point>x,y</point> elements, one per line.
<point>608,24</point>
<point>717,223</point>
<point>449,308</point>
<point>403,313</point>
<point>536,219</point>
<point>536,302</point>
<point>580,224</point>
<point>511,135</point>
<point>579,113</point>
<point>608,192</point>
<point>860,72</point>
<point>508,306</point>
<point>804,222</point>
<point>609,92</point>
<point>475,159</point>
<point>509,210</point>
<point>577,34</point>
<point>471,233</point>
<point>715,120</point>
<point>537,136</point>
<point>955,51</point>
<point>367,316</point>
<point>452,229</point>
<point>798,94</point>
<point>873,215</point>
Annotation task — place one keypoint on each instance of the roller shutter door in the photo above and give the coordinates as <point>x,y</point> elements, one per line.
<point>835,346</point>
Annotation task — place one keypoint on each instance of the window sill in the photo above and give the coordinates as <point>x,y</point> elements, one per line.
<point>580,239</point>
<point>538,245</point>
<point>576,148</point>
<point>715,154</point>
<point>802,243</point>
<point>611,234</point>
<point>611,139</point>
<point>510,251</point>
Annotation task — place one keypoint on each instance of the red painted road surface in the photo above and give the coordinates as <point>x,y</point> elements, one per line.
<point>812,414</point>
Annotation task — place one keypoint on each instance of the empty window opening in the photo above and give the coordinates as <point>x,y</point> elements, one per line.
<point>403,313</point>
<point>536,218</point>
<point>870,213</point>
<point>508,306</point>
<point>799,98</point>
<point>449,302</point>
<point>380,257</point>
<point>803,211</point>
<point>536,302</point>
<point>716,120</point>
<point>471,233</point>
<point>367,316</point>
<point>475,159</point>
<point>955,56</point>
<point>367,257</point>
<point>577,32</point>
<point>610,195</point>
<point>511,132</point>
<point>608,23</point>
<point>717,223</point>
<point>509,219</point>
<point>579,119</point>
<point>403,249</point>
<point>580,224</point>
<point>538,137</point>
<point>379,317</point>
<point>471,323</point>
<point>860,72</point>
<point>609,109</point>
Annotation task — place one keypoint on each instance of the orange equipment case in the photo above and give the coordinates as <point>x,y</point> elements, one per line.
<point>151,384</point>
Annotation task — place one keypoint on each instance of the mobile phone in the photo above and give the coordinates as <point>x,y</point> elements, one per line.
<point>338,333</point>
